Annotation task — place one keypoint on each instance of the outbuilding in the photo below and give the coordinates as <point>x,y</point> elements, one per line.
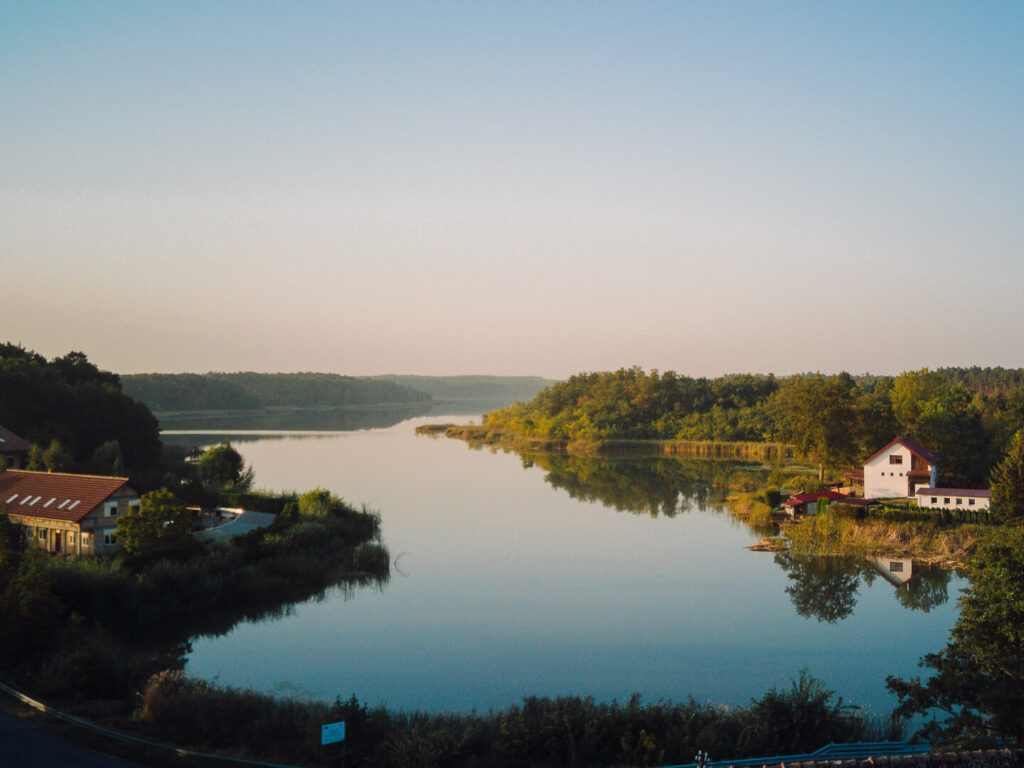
<point>810,503</point>
<point>953,498</point>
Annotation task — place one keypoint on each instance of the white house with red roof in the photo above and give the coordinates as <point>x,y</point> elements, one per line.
<point>899,469</point>
<point>61,512</point>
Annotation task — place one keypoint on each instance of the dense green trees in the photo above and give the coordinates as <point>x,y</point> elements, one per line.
<point>211,391</point>
<point>160,526</point>
<point>817,415</point>
<point>222,468</point>
<point>69,409</point>
<point>1008,482</point>
<point>978,678</point>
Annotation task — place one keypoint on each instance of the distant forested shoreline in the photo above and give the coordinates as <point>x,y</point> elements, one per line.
<point>164,392</point>
<point>247,391</point>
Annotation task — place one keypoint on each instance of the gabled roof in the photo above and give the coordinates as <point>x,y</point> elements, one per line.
<point>911,445</point>
<point>11,443</point>
<point>55,495</point>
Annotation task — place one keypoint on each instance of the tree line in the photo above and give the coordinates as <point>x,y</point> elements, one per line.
<point>250,391</point>
<point>77,417</point>
<point>967,416</point>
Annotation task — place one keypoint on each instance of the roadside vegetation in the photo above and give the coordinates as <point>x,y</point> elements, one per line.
<point>562,732</point>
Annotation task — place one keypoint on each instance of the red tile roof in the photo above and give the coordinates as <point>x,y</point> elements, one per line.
<point>11,443</point>
<point>55,495</point>
<point>803,498</point>
<point>911,445</point>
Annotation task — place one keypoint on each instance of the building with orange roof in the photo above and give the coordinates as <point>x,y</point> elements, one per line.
<point>62,512</point>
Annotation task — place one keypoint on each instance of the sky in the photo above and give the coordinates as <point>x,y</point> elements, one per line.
<point>534,188</point>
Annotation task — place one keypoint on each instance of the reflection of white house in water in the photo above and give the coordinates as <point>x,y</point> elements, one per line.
<point>897,571</point>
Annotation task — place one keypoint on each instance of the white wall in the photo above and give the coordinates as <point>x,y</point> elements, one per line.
<point>884,480</point>
<point>949,501</point>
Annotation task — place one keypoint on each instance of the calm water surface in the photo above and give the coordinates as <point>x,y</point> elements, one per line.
<point>504,585</point>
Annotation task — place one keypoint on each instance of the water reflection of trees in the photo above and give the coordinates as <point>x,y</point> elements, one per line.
<point>648,486</point>
<point>826,588</point>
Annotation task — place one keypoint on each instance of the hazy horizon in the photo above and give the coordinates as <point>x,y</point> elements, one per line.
<point>455,188</point>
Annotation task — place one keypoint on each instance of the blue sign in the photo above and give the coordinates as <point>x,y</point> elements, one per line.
<point>332,733</point>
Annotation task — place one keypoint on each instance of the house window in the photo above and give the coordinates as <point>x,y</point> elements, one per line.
<point>111,510</point>
<point>935,500</point>
<point>71,537</point>
<point>86,540</point>
<point>895,567</point>
<point>959,502</point>
<point>42,534</point>
<point>970,502</point>
<point>945,500</point>
<point>30,533</point>
<point>110,536</point>
<point>895,459</point>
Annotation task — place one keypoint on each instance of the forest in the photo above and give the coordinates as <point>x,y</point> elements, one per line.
<point>967,416</point>
<point>78,417</point>
<point>249,391</point>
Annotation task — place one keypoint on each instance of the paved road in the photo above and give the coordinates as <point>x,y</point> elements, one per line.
<point>24,744</point>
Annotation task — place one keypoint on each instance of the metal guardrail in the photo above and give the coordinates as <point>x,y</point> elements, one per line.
<point>81,722</point>
<point>859,750</point>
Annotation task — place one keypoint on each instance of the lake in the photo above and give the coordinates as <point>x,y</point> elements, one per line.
<point>511,578</point>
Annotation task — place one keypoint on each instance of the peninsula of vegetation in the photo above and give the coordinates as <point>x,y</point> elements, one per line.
<point>971,417</point>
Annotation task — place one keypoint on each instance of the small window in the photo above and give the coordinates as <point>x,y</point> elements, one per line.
<point>110,536</point>
<point>71,537</point>
<point>945,500</point>
<point>42,534</point>
<point>970,502</point>
<point>895,459</point>
<point>30,533</point>
<point>959,502</point>
<point>111,510</point>
<point>935,500</point>
<point>895,567</point>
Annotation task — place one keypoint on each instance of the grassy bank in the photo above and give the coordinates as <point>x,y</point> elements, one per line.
<point>835,534</point>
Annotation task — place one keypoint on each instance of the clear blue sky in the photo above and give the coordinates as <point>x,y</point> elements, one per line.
<point>515,188</point>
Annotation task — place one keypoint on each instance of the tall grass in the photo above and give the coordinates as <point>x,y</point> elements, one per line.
<point>832,533</point>
<point>751,509</point>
